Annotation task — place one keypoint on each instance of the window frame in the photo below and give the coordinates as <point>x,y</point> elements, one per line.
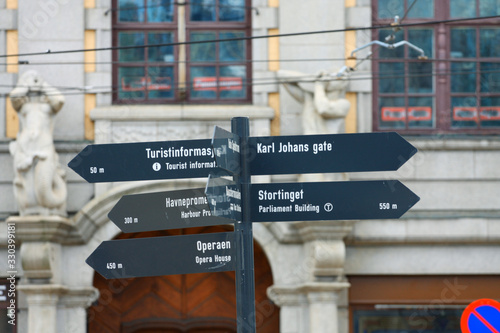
<point>183,95</point>
<point>441,72</point>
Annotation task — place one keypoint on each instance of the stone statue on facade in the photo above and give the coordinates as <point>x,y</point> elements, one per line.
<point>324,107</point>
<point>39,183</point>
<point>323,99</point>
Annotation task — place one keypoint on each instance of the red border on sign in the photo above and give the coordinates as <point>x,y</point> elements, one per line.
<point>471,308</point>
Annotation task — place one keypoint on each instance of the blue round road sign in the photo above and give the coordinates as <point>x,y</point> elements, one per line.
<point>481,316</point>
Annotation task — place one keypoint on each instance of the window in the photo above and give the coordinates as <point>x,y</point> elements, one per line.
<point>413,303</point>
<point>457,89</point>
<point>194,73</point>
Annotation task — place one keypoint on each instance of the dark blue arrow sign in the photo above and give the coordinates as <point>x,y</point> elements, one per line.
<point>169,255</point>
<point>353,200</point>
<point>224,198</point>
<point>163,210</point>
<point>226,146</point>
<point>328,153</point>
<point>145,161</point>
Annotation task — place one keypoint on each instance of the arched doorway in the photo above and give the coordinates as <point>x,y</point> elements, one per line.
<point>191,303</point>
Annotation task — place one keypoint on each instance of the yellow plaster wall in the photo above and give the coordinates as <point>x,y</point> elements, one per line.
<point>90,99</point>
<point>12,47</point>
<point>350,3</point>
<point>89,57</point>
<point>273,55</point>
<point>89,104</point>
<point>89,3</point>
<point>351,119</point>
<point>11,4</point>
<point>11,120</point>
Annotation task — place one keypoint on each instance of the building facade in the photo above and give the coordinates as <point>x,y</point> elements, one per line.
<point>432,76</point>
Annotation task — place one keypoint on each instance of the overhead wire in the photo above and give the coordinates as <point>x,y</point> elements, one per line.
<point>233,39</point>
<point>29,63</point>
<point>266,81</point>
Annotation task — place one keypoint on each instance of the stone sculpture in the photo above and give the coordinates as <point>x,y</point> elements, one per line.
<point>39,183</point>
<point>323,98</point>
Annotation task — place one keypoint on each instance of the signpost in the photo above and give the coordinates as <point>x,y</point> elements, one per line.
<point>238,155</point>
<point>353,200</point>
<point>227,150</point>
<point>163,211</point>
<point>224,198</point>
<point>328,153</point>
<point>145,161</point>
<point>141,257</point>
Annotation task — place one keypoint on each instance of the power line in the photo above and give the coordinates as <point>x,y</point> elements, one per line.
<point>234,39</point>
<point>450,60</point>
<point>267,81</point>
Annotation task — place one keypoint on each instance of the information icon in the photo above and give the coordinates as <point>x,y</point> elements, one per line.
<point>156,166</point>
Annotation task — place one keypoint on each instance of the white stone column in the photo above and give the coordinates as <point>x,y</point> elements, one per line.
<point>46,301</point>
<point>308,308</point>
<point>42,307</point>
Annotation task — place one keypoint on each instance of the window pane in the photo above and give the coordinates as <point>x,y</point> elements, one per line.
<point>420,112</point>
<point>202,51</point>
<point>202,10</point>
<point>420,77</point>
<point>161,82</point>
<point>131,10</point>
<point>203,82</point>
<point>422,38</point>
<point>489,113</point>
<point>131,39</point>
<point>490,77</point>
<point>489,40</point>
<point>160,10</point>
<point>392,112</point>
<point>463,77</point>
<point>489,7</point>
<point>232,10</point>
<point>132,83</point>
<point>463,43</point>
<point>464,112</point>
<point>388,53</point>
<point>421,9</point>
<point>390,8</point>
<point>462,8</point>
<point>232,82</point>
<point>420,319</point>
<point>160,53</point>
<point>234,50</point>
<point>391,77</point>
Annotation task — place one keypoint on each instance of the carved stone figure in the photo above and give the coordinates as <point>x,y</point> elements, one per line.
<point>39,183</point>
<point>322,99</point>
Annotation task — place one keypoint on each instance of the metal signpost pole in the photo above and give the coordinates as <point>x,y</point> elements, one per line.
<point>245,281</point>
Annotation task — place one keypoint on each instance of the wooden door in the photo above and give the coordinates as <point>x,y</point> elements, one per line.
<point>190,303</point>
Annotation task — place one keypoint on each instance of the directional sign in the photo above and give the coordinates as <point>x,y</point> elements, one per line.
<point>352,200</point>
<point>481,316</point>
<point>163,210</point>
<point>169,255</point>
<point>328,153</point>
<point>224,198</point>
<point>145,161</point>
<point>226,147</point>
